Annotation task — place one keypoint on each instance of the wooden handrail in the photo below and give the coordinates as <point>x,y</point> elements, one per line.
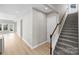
<point>54,32</point>
<point>51,39</point>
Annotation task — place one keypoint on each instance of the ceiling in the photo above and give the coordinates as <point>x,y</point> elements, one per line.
<point>21,9</point>
<point>49,8</point>
<point>14,9</point>
<point>43,8</point>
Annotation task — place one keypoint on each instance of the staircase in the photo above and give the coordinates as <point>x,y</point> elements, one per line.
<point>68,40</point>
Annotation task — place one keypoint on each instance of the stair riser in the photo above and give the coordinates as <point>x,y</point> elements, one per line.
<point>68,40</point>
<point>76,40</point>
<point>69,34</point>
<point>71,26</point>
<point>69,31</point>
<point>60,51</point>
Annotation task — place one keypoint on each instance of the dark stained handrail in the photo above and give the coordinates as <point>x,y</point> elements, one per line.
<point>54,32</point>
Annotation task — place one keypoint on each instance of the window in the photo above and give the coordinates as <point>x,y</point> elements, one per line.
<point>11,27</point>
<point>5,27</point>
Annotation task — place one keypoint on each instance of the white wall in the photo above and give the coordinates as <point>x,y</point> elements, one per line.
<point>34,27</point>
<point>18,28</point>
<point>39,28</point>
<point>61,9</point>
<point>27,27</point>
<point>51,24</point>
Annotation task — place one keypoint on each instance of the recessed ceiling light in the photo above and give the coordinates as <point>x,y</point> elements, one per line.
<point>46,8</point>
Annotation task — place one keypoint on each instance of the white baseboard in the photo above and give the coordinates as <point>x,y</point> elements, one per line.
<point>32,47</point>
<point>40,44</point>
<point>27,43</point>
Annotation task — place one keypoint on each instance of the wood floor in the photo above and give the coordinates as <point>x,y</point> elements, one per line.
<point>16,46</point>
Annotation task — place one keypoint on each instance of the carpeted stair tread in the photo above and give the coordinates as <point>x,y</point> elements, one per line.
<point>69,51</point>
<point>70,28</point>
<point>69,34</point>
<point>75,40</point>
<point>69,37</point>
<point>68,40</point>
<point>68,45</point>
<point>65,46</point>
<point>69,31</point>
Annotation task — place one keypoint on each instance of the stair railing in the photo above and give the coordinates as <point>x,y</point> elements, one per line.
<point>54,32</point>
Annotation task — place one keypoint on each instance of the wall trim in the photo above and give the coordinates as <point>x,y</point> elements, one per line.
<point>40,44</point>
<point>38,10</point>
<point>29,45</point>
<point>33,47</point>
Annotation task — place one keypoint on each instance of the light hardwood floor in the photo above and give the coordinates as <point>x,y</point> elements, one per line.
<point>13,45</point>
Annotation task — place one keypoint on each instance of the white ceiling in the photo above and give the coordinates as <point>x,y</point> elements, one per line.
<point>21,9</point>
<point>43,8</point>
<point>14,9</point>
<point>51,7</point>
